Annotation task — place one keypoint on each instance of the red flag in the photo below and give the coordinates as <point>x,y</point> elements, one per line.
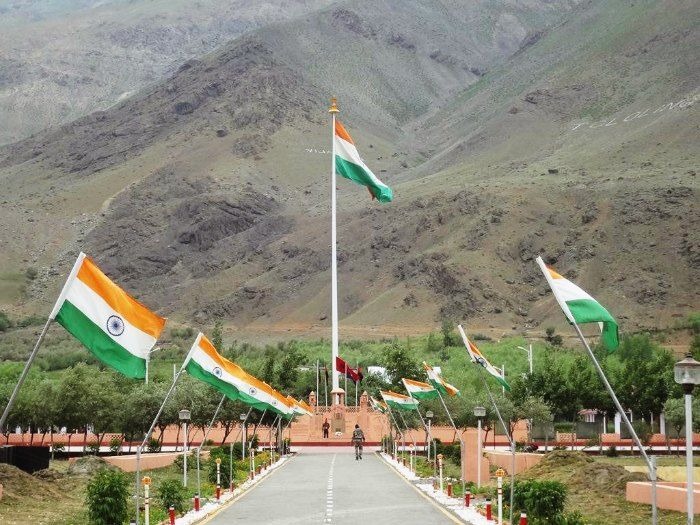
<point>352,374</point>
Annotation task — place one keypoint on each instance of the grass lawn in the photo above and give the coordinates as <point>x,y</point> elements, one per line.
<point>57,497</point>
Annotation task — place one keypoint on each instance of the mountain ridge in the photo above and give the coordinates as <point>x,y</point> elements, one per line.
<point>230,190</point>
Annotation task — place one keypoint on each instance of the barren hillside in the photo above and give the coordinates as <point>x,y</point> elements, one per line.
<point>557,128</point>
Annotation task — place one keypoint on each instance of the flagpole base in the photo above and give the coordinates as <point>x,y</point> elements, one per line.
<point>338,395</point>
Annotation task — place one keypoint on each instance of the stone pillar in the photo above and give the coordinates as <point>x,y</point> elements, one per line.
<point>364,401</point>
<point>618,421</point>
<point>312,399</point>
<point>469,457</point>
<point>338,412</point>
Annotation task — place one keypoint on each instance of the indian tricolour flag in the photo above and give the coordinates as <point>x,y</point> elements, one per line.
<point>419,390</point>
<point>399,401</point>
<point>579,307</point>
<point>438,382</point>
<point>350,165</point>
<point>115,327</point>
<point>379,406</point>
<point>479,358</point>
<point>203,362</point>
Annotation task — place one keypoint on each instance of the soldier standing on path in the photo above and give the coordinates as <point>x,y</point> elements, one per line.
<point>358,438</point>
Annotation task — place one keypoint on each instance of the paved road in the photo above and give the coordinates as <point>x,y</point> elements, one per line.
<point>331,487</point>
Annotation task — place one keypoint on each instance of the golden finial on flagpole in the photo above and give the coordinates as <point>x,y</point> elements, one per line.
<point>334,107</point>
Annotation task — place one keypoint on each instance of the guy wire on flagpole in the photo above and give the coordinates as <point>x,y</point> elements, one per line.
<point>23,375</point>
<point>204,439</point>
<point>272,427</point>
<point>398,428</point>
<point>334,263</point>
<point>250,443</point>
<point>150,430</point>
<point>618,406</point>
<point>418,410</point>
<point>459,436</point>
<point>404,437</point>
<point>508,435</point>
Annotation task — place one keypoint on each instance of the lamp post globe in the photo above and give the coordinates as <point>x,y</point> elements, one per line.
<point>686,373</point>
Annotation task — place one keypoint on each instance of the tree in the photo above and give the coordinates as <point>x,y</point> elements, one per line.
<point>106,498</point>
<point>448,328</point>
<point>399,365</point>
<point>289,373</point>
<point>268,371</point>
<point>217,336</point>
<point>674,414</point>
<point>552,338</point>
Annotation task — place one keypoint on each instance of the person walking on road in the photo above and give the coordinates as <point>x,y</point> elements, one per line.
<point>358,438</point>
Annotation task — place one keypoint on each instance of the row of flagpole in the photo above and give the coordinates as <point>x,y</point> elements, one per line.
<point>568,295</point>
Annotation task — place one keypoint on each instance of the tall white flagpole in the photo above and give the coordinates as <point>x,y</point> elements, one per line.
<point>334,259</point>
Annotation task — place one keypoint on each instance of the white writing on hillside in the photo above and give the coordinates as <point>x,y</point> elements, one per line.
<point>637,115</point>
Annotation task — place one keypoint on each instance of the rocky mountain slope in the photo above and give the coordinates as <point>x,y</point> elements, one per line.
<point>62,59</point>
<point>556,128</point>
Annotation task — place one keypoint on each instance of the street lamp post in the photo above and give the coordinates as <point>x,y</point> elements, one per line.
<point>480,413</point>
<point>528,350</point>
<point>244,436</point>
<point>429,417</point>
<point>687,373</point>
<point>184,417</point>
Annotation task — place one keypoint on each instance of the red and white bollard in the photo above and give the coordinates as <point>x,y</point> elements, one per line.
<point>523,519</point>
<point>467,498</point>
<point>196,502</point>
<point>146,499</point>
<point>449,490</point>
<point>218,479</point>
<point>171,513</point>
<point>488,510</point>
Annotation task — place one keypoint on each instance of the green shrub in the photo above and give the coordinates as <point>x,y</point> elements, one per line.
<point>643,430</point>
<point>191,461</point>
<point>171,492</point>
<point>115,445</point>
<point>106,497</point>
<point>93,448</point>
<point>573,518</point>
<point>611,452</point>
<point>31,273</point>
<point>542,500</point>
<point>5,323</point>
<point>551,338</point>
<point>153,445</point>
<point>564,426</point>
<point>32,320</point>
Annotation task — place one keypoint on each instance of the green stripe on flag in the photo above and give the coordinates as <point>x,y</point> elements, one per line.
<point>207,377</point>
<point>356,173</point>
<point>437,385</point>
<point>99,343</point>
<point>431,394</point>
<point>402,406</point>
<point>591,311</point>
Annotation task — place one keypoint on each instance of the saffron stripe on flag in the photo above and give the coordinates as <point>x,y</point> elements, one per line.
<point>127,307</point>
